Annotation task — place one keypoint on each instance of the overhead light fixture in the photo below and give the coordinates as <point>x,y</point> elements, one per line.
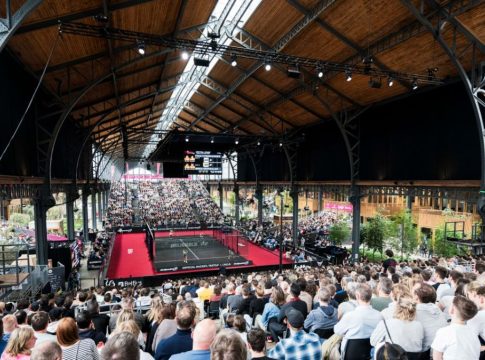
<point>233,60</point>
<point>414,84</point>
<point>390,81</point>
<point>320,73</point>
<point>212,140</point>
<point>267,66</point>
<point>259,142</point>
<point>367,61</point>
<point>185,55</point>
<point>101,18</point>
<point>141,48</point>
<point>281,143</point>
<point>236,141</point>
<point>186,139</point>
<point>201,62</point>
<point>375,83</point>
<point>348,75</point>
<point>293,72</point>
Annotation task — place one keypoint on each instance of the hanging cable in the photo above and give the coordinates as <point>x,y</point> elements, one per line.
<point>31,99</point>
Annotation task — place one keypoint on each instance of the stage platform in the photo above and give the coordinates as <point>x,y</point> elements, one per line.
<point>130,263</point>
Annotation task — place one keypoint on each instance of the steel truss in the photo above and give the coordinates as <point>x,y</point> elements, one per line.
<point>462,44</point>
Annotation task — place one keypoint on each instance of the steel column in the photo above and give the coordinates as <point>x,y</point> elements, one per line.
<point>237,203</point>
<point>100,207</point>
<point>70,220</point>
<point>320,198</point>
<point>355,200</point>
<point>93,210</point>
<point>259,197</point>
<point>85,194</point>
<point>42,202</point>
<point>221,194</point>
<point>294,196</point>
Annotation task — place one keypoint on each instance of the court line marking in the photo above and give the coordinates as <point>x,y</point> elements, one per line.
<point>193,253</point>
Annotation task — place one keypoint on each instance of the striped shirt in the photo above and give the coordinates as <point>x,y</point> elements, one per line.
<point>84,349</point>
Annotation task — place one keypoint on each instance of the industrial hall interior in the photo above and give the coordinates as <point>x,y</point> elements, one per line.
<point>242,179</point>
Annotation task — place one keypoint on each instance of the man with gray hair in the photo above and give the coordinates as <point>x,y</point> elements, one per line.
<point>361,322</point>
<point>383,299</point>
<point>122,345</point>
<point>47,350</point>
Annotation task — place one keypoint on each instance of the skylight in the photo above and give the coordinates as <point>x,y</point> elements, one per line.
<point>238,12</point>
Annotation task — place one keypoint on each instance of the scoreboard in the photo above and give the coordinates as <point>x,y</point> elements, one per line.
<point>203,163</point>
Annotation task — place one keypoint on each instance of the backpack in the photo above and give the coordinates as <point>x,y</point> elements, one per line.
<point>391,351</point>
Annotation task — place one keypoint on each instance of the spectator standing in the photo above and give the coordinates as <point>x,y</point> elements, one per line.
<point>389,262</point>
<point>299,345</point>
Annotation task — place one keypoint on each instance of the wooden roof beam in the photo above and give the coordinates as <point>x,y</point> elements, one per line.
<point>79,15</point>
<point>281,44</point>
<point>360,51</point>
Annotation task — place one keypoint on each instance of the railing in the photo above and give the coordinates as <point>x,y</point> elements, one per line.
<point>104,267</point>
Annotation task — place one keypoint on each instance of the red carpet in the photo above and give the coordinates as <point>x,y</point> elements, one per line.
<point>129,257</point>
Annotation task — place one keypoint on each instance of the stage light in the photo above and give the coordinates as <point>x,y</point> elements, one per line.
<point>320,73</point>
<point>390,81</point>
<point>293,72</point>
<point>259,142</point>
<point>233,60</point>
<point>212,140</point>
<point>186,139</point>
<point>375,83</point>
<point>415,84</point>
<point>185,55</point>
<point>348,75</point>
<point>281,143</point>
<point>267,67</point>
<point>236,141</point>
<point>201,62</point>
<point>141,48</point>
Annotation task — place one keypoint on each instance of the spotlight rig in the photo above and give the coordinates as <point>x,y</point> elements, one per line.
<point>202,49</point>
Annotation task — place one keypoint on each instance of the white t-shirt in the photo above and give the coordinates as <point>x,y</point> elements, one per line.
<point>477,324</point>
<point>457,342</point>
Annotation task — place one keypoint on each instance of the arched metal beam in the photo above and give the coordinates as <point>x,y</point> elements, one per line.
<point>10,24</point>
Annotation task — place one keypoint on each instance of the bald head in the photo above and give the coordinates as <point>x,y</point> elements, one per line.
<point>204,334</point>
<point>47,350</point>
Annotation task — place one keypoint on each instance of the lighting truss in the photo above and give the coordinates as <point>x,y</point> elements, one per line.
<point>203,49</point>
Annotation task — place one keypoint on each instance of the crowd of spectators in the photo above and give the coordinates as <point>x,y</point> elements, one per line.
<point>418,309</point>
<point>169,203</point>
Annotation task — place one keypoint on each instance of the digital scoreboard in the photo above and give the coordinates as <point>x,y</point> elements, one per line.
<point>202,163</point>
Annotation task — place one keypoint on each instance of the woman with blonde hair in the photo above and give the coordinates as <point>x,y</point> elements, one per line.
<point>20,344</point>
<point>154,317</point>
<point>399,291</point>
<point>72,347</point>
<point>272,308</point>
<point>402,329</point>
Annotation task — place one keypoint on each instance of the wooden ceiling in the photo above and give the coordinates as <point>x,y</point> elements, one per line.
<point>136,92</point>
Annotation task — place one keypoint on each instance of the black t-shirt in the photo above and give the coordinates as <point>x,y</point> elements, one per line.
<point>389,262</point>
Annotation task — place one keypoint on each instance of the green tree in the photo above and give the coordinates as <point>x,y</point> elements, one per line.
<point>339,232</point>
<point>404,231</point>
<point>18,219</point>
<point>375,232</point>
